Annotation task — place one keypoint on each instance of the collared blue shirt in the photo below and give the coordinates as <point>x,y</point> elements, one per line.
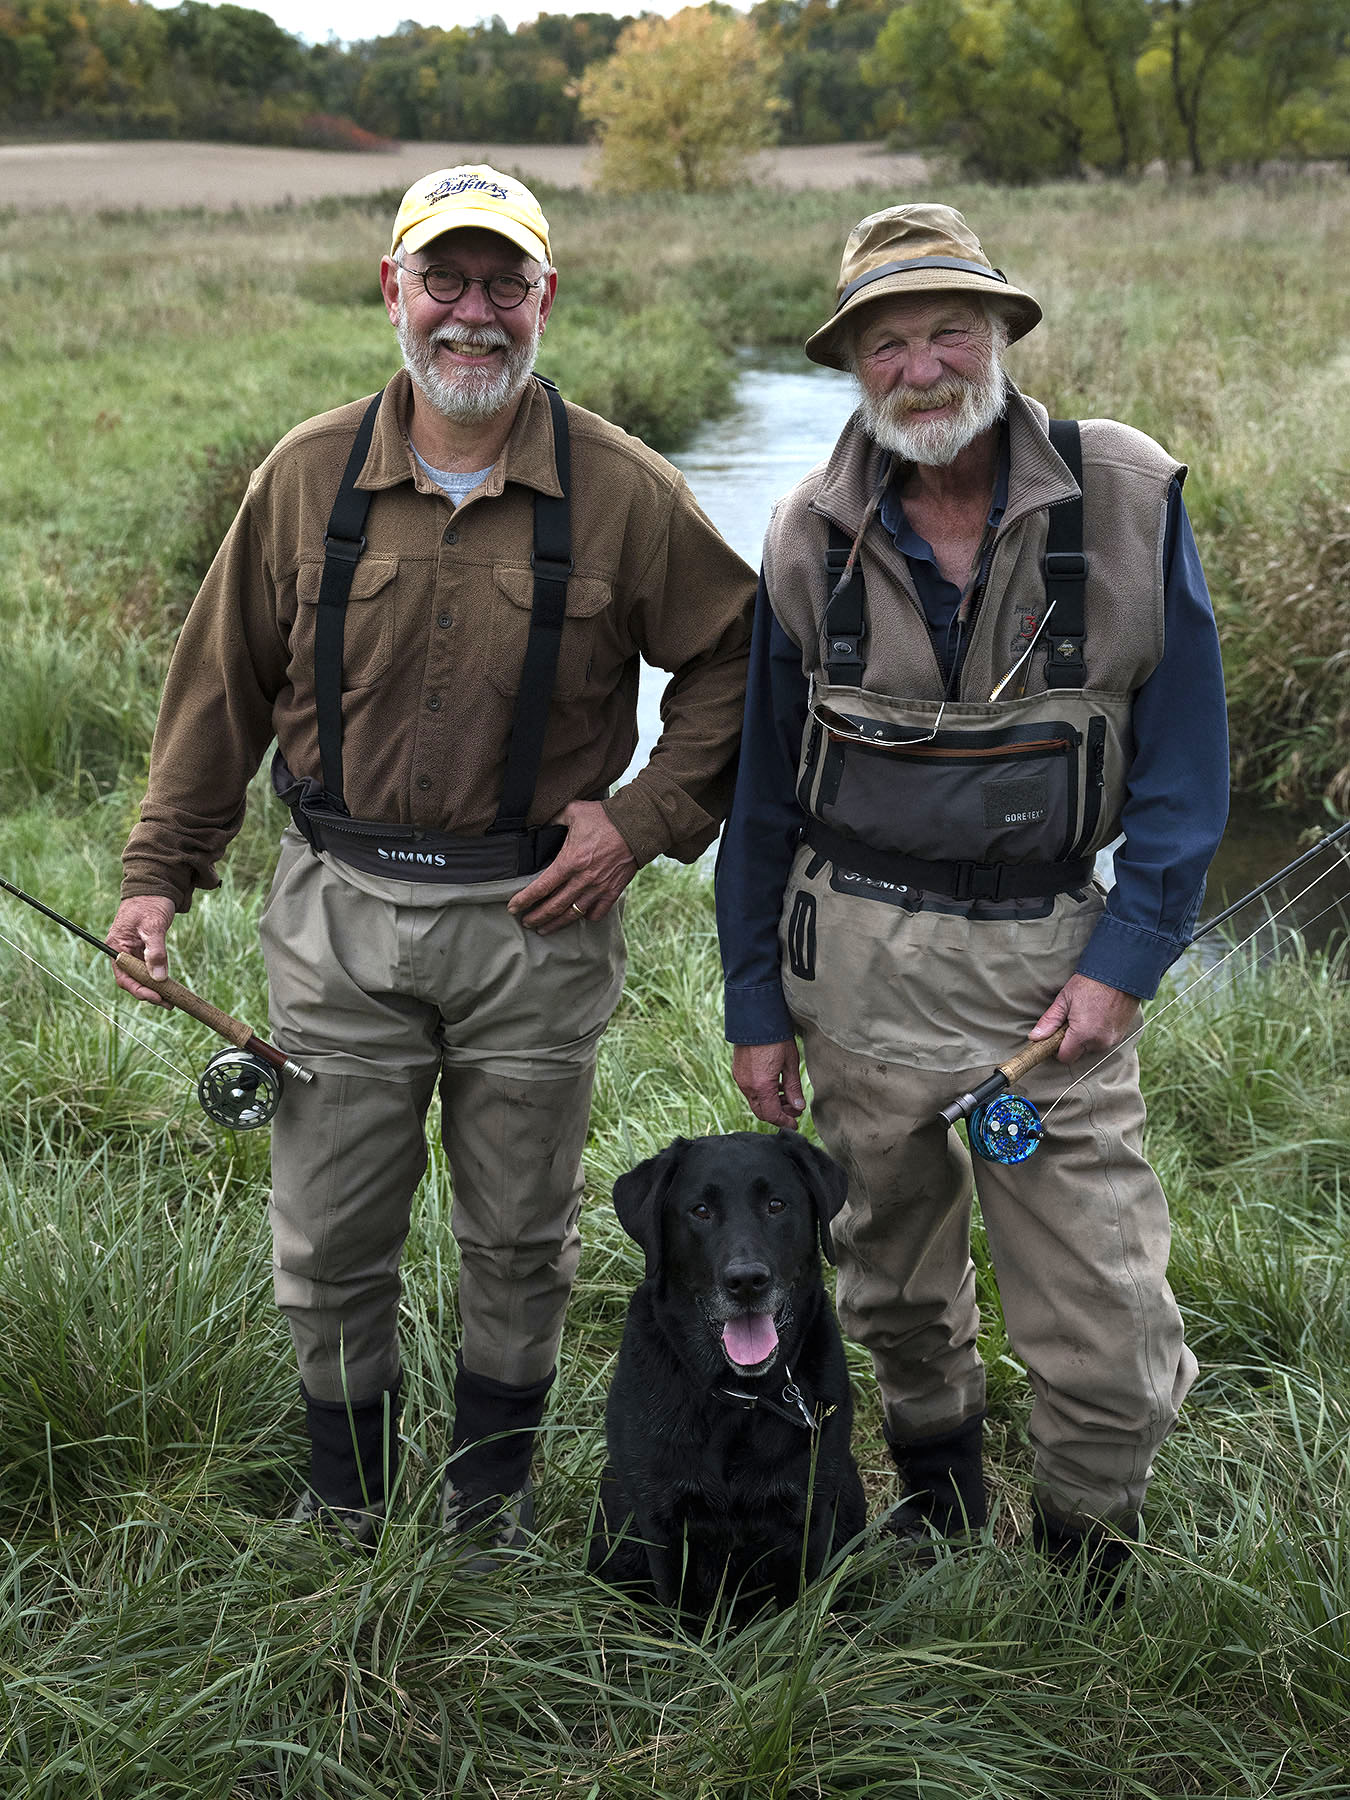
<point>940,598</point>
<point>1175,808</point>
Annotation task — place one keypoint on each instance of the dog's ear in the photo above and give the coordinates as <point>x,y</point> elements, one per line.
<point>825,1180</point>
<point>638,1198</point>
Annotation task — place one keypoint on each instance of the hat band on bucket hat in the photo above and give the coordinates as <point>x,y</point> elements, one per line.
<point>919,262</point>
<point>917,251</point>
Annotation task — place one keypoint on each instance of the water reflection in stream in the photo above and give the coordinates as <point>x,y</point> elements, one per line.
<point>788,416</point>
<point>786,421</point>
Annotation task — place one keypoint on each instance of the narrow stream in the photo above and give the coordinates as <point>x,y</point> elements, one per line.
<point>789,413</point>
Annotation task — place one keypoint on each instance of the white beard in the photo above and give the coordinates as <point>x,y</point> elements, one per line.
<point>888,419</point>
<point>465,395</point>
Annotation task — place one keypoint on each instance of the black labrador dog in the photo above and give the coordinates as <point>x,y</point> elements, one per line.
<point>729,1470</point>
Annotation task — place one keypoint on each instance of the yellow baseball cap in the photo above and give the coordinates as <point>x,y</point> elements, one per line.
<point>472,194</point>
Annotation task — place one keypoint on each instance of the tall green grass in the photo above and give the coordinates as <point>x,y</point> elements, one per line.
<point>160,1635</point>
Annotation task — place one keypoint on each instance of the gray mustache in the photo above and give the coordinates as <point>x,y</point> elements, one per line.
<point>471,341</point>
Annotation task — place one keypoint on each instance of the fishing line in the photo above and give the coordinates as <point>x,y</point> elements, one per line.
<point>1213,969</point>
<point>112,1018</point>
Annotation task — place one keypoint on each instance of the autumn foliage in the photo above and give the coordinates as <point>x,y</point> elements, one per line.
<point>683,102</point>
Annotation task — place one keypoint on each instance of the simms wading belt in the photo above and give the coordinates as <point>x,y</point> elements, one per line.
<point>509,847</point>
<point>957,880</point>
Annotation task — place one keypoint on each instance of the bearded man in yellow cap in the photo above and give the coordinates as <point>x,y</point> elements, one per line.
<point>983,651</point>
<point>436,600</point>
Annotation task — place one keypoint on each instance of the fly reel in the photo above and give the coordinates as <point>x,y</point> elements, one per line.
<point>1004,1127</point>
<point>239,1090</point>
<point>1005,1130</point>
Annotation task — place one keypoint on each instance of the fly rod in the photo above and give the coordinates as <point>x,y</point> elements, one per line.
<point>1006,1127</point>
<point>239,1088</point>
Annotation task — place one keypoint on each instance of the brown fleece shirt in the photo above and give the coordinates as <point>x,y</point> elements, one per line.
<point>435,640</point>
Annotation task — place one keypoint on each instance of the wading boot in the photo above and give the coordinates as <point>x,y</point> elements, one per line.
<point>1102,1549</point>
<point>486,1499</point>
<point>941,1490</point>
<point>353,1458</point>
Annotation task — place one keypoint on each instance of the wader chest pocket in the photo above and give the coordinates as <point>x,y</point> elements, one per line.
<point>1002,795</point>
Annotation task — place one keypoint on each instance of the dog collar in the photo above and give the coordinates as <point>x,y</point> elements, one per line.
<point>796,1412</point>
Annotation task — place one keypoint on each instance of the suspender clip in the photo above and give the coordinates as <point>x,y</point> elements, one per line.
<point>346,550</point>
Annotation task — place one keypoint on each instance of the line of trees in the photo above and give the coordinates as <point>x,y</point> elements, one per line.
<point>1011,90</point>
<point>1021,89</point>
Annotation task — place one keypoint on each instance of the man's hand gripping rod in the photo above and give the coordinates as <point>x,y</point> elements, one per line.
<point>1004,1076</point>
<point>1008,1129</point>
<point>238,1088</point>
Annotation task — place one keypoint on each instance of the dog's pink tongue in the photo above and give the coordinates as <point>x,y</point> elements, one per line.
<point>749,1340</point>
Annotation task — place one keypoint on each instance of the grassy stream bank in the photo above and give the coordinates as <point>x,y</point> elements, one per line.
<point>158,1636</point>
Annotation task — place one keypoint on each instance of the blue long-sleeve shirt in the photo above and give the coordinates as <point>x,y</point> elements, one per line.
<point>1175,808</point>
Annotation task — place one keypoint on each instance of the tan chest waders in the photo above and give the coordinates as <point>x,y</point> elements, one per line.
<point>970,825</point>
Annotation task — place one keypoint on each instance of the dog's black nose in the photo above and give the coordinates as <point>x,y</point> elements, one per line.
<point>746,1280</point>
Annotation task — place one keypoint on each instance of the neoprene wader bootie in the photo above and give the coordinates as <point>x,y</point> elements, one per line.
<point>353,1459</point>
<point>941,1487</point>
<point>486,1491</point>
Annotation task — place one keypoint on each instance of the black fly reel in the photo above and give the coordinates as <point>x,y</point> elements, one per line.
<point>1005,1130</point>
<point>239,1090</point>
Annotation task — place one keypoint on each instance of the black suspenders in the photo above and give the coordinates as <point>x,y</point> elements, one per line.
<point>343,543</point>
<point>846,615</point>
<point>1063,567</point>
<point>551,561</point>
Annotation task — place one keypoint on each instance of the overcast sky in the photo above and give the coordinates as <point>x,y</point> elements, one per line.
<point>313,20</point>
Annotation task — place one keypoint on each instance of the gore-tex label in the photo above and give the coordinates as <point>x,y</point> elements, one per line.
<point>1015,802</point>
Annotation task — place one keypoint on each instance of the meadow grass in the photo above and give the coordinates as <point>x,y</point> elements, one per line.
<point>160,1635</point>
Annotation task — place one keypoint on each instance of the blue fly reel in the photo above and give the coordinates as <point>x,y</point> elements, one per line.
<point>1005,1130</point>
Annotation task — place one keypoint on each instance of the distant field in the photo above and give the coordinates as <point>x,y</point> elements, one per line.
<point>219,176</point>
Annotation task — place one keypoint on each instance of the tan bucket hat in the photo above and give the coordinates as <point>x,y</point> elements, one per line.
<point>920,249</point>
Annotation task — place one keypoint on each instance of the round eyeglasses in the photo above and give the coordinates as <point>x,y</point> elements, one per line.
<point>445,286</point>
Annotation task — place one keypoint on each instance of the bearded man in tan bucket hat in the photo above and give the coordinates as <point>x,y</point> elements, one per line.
<point>983,651</point>
<point>436,600</point>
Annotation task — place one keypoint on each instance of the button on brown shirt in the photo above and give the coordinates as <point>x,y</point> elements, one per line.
<point>435,640</point>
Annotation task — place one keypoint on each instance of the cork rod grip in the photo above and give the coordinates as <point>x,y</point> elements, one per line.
<point>1032,1054</point>
<point>185,1000</point>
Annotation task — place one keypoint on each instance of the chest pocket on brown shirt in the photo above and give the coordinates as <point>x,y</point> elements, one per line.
<point>368,629</point>
<point>587,649</point>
